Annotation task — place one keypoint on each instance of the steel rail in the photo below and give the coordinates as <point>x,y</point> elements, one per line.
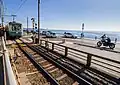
<point>39,67</point>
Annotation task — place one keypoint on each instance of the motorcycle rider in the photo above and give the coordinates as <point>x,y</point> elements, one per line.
<point>103,37</point>
<point>106,39</point>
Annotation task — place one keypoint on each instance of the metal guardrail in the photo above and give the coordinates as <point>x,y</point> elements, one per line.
<point>9,78</point>
<point>88,54</point>
<point>90,58</point>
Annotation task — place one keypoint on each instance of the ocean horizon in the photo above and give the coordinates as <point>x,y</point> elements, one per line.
<point>87,34</point>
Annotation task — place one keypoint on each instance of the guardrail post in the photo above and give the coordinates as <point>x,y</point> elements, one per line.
<point>47,45</point>
<point>35,40</point>
<point>66,51</point>
<point>89,57</point>
<point>52,46</point>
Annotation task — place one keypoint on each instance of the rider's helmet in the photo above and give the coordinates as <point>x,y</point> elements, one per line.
<point>104,36</point>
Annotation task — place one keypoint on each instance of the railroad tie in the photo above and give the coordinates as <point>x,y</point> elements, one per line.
<point>32,73</point>
<point>47,83</point>
<point>50,67</point>
<point>32,53</point>
<point>38,58</point>
<point>53,70</point>
<point>30,64</point>
<point>61,77</point>
<point>36,54</point>
<point>47,65</point>
<point>75,83</point>
<point>42,61</point>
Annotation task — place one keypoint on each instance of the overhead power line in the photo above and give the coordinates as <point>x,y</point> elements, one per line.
<point>20,6</point>
<point>1,8</point>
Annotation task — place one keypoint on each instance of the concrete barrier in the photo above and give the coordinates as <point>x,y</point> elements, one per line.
<point>10,78</point>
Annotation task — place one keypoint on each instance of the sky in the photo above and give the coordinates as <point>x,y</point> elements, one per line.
<point>97,15</point>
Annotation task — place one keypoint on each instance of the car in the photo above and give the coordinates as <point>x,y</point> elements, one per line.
<point>69,35</point>
<point>44,32</point>
<point>49,34</point>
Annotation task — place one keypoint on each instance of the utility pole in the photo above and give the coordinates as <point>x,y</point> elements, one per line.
<point>2,19</point>
<point>27,25</point>
<point>38,21</point>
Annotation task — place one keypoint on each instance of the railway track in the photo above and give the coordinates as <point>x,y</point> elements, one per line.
<point>81,73</point>
<point>54,74</point>
<point>26,72</point>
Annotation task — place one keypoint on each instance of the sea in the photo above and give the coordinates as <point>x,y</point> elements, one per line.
<point>87,34</point>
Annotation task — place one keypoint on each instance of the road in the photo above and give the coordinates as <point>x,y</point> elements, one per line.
<point>91,43</point>
<point>107,54</point>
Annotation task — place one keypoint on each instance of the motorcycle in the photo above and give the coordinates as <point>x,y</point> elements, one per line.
<point>105,42</point>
